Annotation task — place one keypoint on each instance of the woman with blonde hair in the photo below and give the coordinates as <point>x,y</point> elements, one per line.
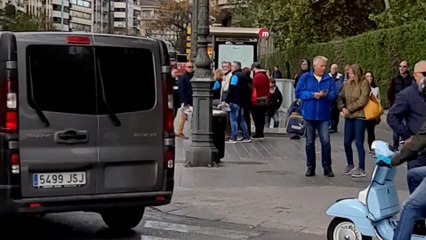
<point>351,102</point>
<point>217,87</point>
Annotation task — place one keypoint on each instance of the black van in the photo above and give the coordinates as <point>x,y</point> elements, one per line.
<point>86,123</point>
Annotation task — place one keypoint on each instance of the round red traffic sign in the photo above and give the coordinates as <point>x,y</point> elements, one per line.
<point>263,34</point>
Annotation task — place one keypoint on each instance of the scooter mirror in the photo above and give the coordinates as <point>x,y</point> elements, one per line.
<point>373,145</point>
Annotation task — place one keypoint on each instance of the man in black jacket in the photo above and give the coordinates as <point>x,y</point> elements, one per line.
<point>396,85</point>
<point>236,96</point>
<point>185,95</point>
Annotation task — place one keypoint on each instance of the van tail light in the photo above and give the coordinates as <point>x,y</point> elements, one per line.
<point>15,162</point>
<point>169,164</point>
<point>168,128</point>
<point>168,121</point>
<point>169,159</point>
<point>78,40</point>
<point>9,100</point>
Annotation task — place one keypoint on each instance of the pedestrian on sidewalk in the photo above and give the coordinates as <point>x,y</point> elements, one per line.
<point>274,103</point>
<point>305,66</point>
<point>247,106</point>
<point>317,91</point>
<point>261,84</point>
<point>226,69</point>
<point>335,113</point>
<point>235,98</point>
<point>185,95</point>
<point>371,124</point>
<point>398,83</point>
<point>351,102</point>
<point>276,74</point>
<point>217,86</point>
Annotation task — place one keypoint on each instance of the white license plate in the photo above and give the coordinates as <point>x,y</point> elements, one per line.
<point>59,180</point>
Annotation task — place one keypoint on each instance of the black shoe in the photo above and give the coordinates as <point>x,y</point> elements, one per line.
<point>295,137</point>
<point>419,227</point>
<point>328,172</point>
<point>333,130</point>
<point>310,172</point>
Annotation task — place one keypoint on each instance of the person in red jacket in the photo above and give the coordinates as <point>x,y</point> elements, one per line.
<point>261,85</point>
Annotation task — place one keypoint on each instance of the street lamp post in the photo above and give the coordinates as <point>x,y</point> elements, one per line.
<point>62,15</point>
<point>194,25</point>
<point>201,151</point>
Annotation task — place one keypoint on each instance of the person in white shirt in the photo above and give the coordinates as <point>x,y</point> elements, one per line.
<point>371,124</point>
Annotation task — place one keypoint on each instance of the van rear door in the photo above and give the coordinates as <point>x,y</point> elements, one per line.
<point>57,114</point>
<point>131,142</point>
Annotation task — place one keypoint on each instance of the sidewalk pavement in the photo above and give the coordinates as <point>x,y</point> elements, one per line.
<point>263,184</point>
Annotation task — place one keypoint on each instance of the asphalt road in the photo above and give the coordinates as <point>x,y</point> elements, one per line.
<point>155,226</point>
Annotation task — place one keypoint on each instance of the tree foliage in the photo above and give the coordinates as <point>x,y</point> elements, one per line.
<point>300,22</point>
<point>12,20</point>
<point>175,16</point>
<point>401,12</point>
<point>379,51</point>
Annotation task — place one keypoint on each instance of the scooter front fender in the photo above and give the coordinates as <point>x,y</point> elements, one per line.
<point>356,212</point>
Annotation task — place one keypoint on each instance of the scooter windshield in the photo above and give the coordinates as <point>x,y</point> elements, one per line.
<point>381,148</point>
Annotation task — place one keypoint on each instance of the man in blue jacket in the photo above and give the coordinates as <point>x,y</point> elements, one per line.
<point>317,91</point>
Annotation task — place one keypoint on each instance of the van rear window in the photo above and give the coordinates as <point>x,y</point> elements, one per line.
<point>128,78</point>
<point>62,78</point>
<point>73,79</point>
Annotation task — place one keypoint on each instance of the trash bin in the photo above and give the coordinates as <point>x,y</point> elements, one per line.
<point>219,125</point>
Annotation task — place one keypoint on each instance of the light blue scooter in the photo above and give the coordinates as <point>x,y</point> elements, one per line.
<point>373,213</point>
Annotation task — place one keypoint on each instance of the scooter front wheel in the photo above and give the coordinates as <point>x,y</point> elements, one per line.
<point>344,229</point>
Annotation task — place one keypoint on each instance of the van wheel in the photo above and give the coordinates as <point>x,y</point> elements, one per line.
<point>122,218</point>
<point>341,228</point>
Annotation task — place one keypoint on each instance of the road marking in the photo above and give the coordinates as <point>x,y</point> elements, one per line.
<point>149,237</point>
<point>215,232</point>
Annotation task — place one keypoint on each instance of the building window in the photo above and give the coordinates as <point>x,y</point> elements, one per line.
<point>59,8</point>
<point>81,3</point>
<point>81,15</point>
<point>80,27</point>
<point>58,20</point>
<point>119,9</point>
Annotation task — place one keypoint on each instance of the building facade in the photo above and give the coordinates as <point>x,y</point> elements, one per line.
<point>127,17</point>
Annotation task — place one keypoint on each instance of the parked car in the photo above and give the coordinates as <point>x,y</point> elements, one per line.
<point>86,123</point>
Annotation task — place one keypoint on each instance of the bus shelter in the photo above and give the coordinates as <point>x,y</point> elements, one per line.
<point>235,44</point>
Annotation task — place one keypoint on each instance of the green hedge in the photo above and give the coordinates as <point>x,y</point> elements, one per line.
<point>378,51</point>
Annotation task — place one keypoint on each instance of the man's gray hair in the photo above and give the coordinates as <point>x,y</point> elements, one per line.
<point>226,62</point>
<point>420,66</point>
<point>318,59</point>
<point>238,64</point>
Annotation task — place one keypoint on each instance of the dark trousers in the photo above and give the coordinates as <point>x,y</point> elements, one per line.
<point>396,139</point>
<point>259,120</point>
<point>371,136</point>
<point>334,118</point>
<point>247,118</point>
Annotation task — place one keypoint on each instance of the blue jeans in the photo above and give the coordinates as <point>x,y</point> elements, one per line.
<point>323,131</point>
<point>414,208</point>
<point>355,130</point>
<point>237,117</point>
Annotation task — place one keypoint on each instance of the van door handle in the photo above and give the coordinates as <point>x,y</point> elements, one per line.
<point>72,136</point>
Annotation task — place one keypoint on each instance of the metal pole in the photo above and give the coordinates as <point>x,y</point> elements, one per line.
<point>62,15</point>
<point>387,5</point>
<point>201,151</point>
<point>194,25</point>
